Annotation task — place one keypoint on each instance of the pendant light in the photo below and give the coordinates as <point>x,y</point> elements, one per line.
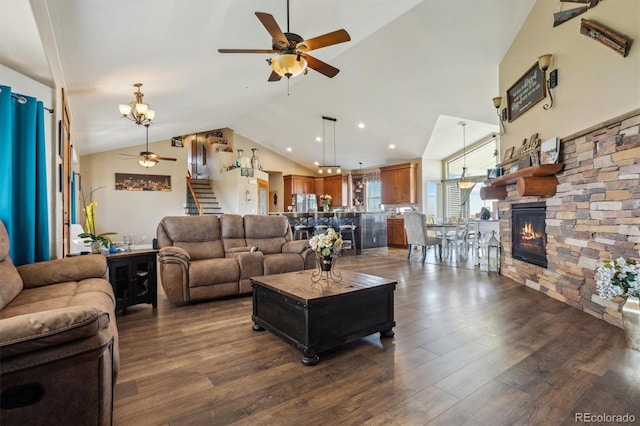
<point>323,168</point>
<point>464,182</point>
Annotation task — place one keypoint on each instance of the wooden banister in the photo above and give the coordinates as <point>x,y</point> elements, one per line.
<point>193,194</point>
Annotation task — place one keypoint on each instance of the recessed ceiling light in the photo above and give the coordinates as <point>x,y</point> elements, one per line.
<point>315,163</point>
<point>392,146</point>
<point>318,139</point>
<point>361,125</point>
<point>289,149</point>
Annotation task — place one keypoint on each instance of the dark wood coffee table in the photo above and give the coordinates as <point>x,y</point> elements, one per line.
<point>314,317</point>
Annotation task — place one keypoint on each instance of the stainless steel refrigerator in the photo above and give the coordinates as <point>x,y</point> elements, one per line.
<point>305,202</point>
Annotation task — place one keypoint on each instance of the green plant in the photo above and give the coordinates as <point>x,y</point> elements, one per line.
<point>90,222</point>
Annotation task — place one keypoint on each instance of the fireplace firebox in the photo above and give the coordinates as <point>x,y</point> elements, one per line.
<point>529,236</point>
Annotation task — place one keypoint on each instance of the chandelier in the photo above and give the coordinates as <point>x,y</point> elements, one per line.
<point>137,110</point>
<point>323,168</point>
<point>464,182</point>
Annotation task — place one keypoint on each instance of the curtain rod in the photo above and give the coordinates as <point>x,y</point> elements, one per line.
<point>23,100</point>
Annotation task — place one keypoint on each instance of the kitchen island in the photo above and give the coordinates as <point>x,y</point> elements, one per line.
<point>371,227</point>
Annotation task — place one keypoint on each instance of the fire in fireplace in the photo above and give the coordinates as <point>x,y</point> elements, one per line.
<point>528,230</point>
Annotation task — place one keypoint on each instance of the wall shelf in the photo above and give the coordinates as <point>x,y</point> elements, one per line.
<point>537,180</point>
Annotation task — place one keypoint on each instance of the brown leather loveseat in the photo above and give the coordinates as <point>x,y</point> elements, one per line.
<point>58,340</point>
<point>206,257</point>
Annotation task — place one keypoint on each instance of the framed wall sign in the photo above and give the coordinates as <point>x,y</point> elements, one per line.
<point>526,92</point>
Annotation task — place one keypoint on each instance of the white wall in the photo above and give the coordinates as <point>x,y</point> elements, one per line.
<point>594,82</point>
<point>134,212</point>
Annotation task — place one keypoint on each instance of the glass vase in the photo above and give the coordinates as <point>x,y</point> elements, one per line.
<point>631,320</point>
<point>96,247</point>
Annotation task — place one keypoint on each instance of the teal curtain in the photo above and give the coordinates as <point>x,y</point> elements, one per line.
<point>23,197</point>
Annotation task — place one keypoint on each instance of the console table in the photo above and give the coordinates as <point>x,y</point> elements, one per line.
<point>133,276</point>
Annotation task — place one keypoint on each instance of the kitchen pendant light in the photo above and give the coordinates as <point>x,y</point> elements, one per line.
<point>323,168</point>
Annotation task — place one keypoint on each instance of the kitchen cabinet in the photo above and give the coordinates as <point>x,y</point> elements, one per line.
<point>336,186</point>
<point>396,236</point>
<point>296,184</point>
<point>398,184</point>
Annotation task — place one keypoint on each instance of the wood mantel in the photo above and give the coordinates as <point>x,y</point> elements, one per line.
<point>537,180</point>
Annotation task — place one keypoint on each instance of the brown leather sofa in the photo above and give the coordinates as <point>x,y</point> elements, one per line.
<point>206,257</point>
<point>58,340</point>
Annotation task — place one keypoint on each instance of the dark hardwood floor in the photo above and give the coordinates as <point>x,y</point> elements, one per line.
<point>469,348</point>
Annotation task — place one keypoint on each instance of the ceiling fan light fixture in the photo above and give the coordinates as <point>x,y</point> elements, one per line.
<point>288,65</point>
<point>147,162</point>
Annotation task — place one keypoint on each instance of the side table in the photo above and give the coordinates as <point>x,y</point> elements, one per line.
<point>133,276</point>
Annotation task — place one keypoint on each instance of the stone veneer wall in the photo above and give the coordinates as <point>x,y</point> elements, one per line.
<point>594,215</point>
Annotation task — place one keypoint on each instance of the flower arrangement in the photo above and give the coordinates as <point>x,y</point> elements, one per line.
<point>618,278</point>
<point>327,242</point>
<point>90,222</point>
<point>326,198</point>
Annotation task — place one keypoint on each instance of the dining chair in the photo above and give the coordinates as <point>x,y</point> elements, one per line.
<point>415,225</point>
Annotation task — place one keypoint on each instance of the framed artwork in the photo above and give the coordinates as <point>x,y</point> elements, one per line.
<point>508,153</point>
<point>177,142</point>
<point>535,158</point>
<point>526,92</point>
<point>494,173</point>
<point>514,168</point>
<point>549,151</point>
<point>246,172</point>
<point>204,155</point>
<point>138,182</point>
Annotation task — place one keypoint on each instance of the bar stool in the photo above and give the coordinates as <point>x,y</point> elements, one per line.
<point>300,226</point>
<point>300,231</point>
<point>347,229</point>
<point>321,223</point>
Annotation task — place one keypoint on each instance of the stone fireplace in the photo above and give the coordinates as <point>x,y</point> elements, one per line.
<point>528,230</point>
<point>593,216</point>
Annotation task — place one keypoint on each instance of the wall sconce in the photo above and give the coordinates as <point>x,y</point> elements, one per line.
<point>502,115</point>
<point>543,63</point>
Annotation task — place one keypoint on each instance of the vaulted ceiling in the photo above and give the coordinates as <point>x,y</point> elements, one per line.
<point>412,70</point>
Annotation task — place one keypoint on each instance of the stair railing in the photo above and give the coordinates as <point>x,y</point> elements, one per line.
<point>193,194</point>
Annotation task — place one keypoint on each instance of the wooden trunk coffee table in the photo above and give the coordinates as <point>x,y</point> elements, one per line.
<point>314,317</point>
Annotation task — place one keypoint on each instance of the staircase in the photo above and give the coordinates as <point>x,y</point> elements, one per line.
<point>205,196</point>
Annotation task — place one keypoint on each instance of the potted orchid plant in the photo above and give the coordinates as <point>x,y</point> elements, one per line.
<point>92,238</point>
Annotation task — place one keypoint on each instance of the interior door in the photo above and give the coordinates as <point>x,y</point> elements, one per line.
<point>263,196</point>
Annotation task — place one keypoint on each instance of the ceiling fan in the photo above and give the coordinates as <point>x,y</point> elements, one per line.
<point>291,49</point>
<point>146,157</point>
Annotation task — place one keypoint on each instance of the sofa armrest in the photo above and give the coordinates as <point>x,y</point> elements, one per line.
<point>174,273</point>
<point>171,251</point>
<point>56,271</point>
<point>295,246</point>
<point>28,333</point>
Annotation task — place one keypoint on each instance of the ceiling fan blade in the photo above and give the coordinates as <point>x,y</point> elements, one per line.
<point>268,51</point>
<point>274,76</point>
<point>329,39</point>
<point>273,28</point>
<point>321,67</point>
<point>129,155</point>
<point>164,158</point>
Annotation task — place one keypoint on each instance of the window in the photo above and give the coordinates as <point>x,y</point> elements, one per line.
<point>373,196</point>
<point>479,158</point>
